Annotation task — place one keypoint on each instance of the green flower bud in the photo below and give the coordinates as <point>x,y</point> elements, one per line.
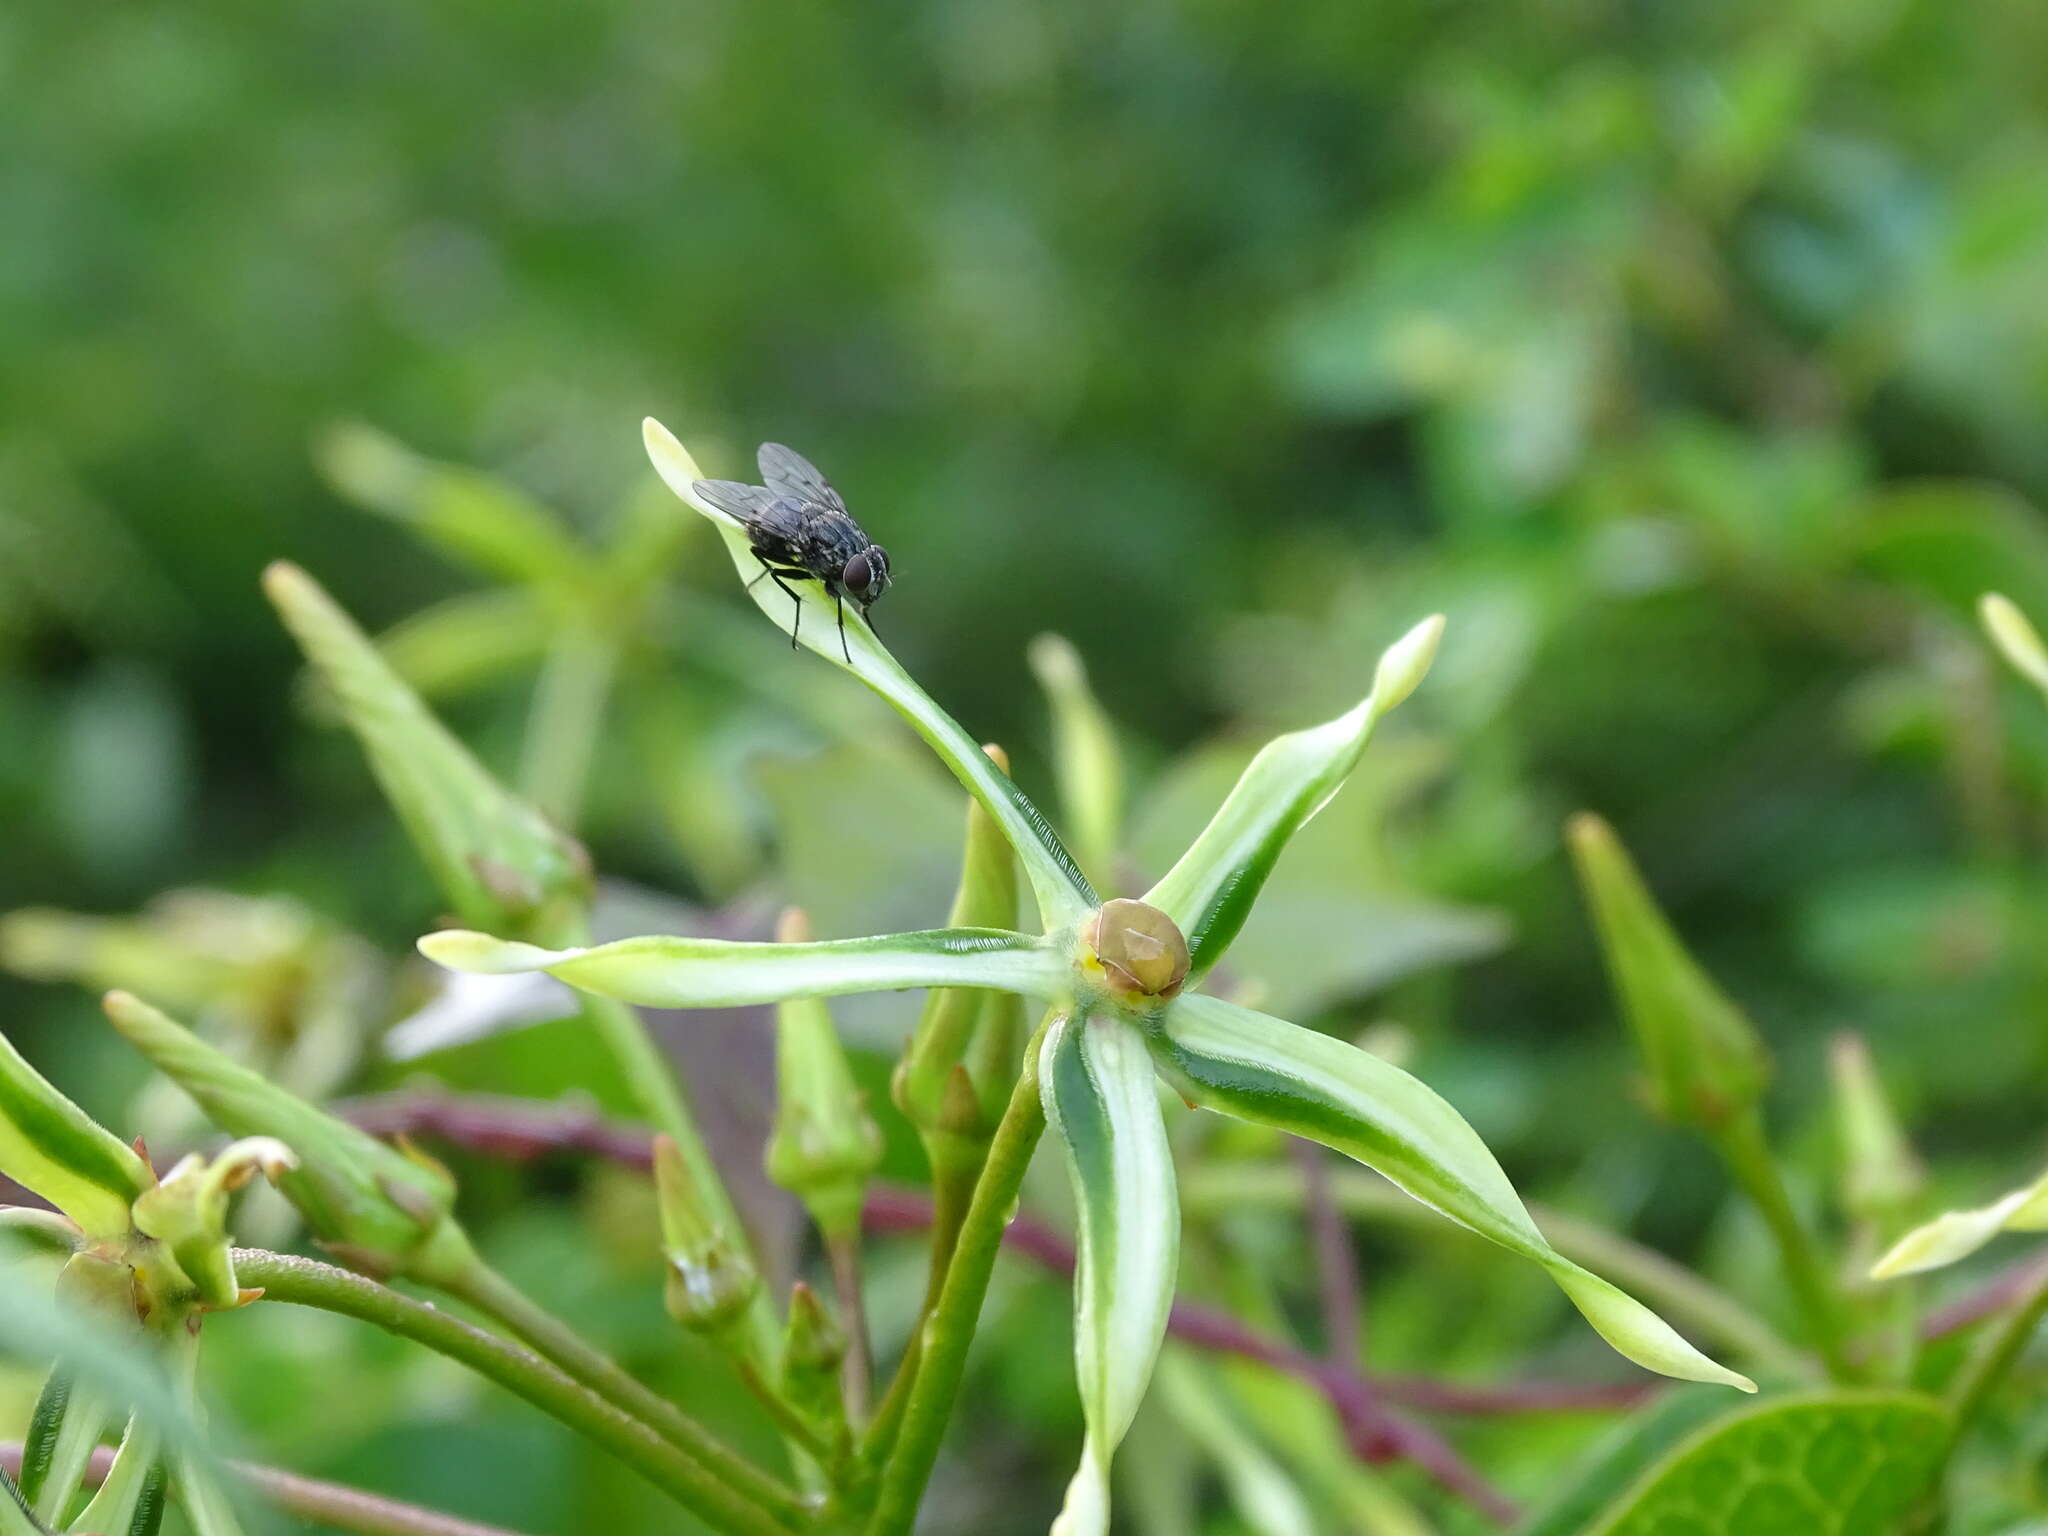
<point>1881,1177</point>
<point>379,1210</point>
<point>1086,760</point>
<point>813,1347</point>
<point>500,863</point>
<point>966,1037</point>
<point>188,1212</point>
<point>710,1281</point>
<point>1140,948</point>
<point>50,1145</point>
<point>1704,1059</point>
<point>824,1147</point>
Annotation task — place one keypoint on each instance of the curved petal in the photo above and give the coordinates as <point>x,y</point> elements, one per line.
<point>1271,1072</point>
<point>1096,1080</point>
<point>1210,892</point>
<point>1063,892</point>
<point>1958,1234</point>
<point>662,971</point>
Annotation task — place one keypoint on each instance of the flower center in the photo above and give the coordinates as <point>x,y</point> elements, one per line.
<point>1141,949</point>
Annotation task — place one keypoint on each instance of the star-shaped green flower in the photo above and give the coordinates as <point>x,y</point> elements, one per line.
<point>1122,980</point>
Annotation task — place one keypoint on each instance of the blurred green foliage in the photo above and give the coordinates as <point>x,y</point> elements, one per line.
<point>1692,358</point>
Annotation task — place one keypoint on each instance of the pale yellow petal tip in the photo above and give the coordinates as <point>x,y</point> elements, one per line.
<point>2015,635</point>
<point>671,459</point>
<point>460,949</point>
<point>1405,663</point>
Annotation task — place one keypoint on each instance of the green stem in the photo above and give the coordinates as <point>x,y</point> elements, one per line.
<point>951,1326</point>
<point>661,1103</point>
<point>952,1190</point>
<point>566,719</point>
<point>308,1283</point>
<point>1994,1359</point>
<point>330,1504</point>
<point>842,1250</point>
<point>1365,1196</point>
<point>791,1423</point>
<point>495,1296</point>
<point>1747,1155</point>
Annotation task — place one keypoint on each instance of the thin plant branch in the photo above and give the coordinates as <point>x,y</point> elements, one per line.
<point>309,1283</point>
<point>330,1504</point>
<point>1996,1355</point>
<point>1337,1278</point>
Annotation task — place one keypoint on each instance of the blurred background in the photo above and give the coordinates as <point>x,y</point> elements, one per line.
<point>1692,358</point>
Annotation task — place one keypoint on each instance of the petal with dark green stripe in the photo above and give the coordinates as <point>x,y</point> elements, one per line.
<point>1270,1072</point>
<point>1100,1095</point>
<point>662,971</point>
<point>1210,892</point>
<point>1063,892</point>
<point>50,1145</point>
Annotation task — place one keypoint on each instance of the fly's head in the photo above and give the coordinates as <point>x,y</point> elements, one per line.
<point>866,576</point>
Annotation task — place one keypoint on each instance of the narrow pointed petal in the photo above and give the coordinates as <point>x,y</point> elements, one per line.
<point>1100,1095</point>
<point>2014,635</point>
<point>1270,1072</point>
<point>663,971</point>
<point>1210,892</point>
<point>1063,892</point>
<point>1956,1235</point>
<point>1087,761</point>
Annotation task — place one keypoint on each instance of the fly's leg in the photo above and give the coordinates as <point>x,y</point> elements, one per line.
<point>839,606</point>
<point>797,623</point>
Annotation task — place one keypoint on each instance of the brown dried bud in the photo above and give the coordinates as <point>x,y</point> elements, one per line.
<point>1140,948</point>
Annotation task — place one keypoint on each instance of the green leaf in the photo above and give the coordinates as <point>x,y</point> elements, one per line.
<point>1100,1096</point>
<point>1263,1496</point>
<point>475,517</point>
<point>1270,1072</point>
<point>1063,892</point>
<point>1620,1458</point>
<point>499,862</point>
<point>1087,762</point>
<point>1956,1235</point>
<point>671,971</point>
<point>1828,1464</point>
<point>1210,892</point>
<point>370,1204</point>
<point>50,1145</point>
<point>1704,1059</point>
<point>467,641</point>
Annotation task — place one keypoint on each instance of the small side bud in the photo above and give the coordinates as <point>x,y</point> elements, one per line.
<point>1405,663</point>
<point>1141,949</point>
<point>824,1147</point>
<point>813,1348</point>
<point>1704,1061</point>
<point>709,1281</point>
<point>1881,1177</point>
<point>188,1212</point>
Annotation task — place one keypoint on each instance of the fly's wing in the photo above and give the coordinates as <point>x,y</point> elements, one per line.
<point>755,506</point>
<point>791,474</point>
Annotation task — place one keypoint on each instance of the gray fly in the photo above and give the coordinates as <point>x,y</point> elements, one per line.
<point>799,528</point>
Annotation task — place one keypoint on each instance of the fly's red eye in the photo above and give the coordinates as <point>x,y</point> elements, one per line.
<point>857,575</point>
